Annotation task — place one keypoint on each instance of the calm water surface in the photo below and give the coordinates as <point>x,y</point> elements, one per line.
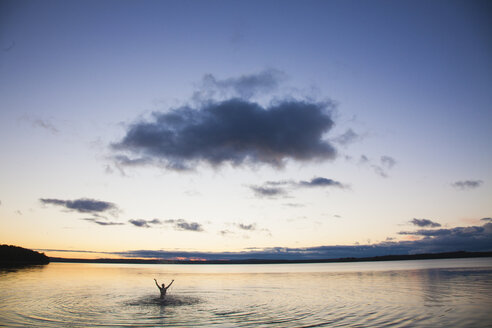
<point>430,293</point>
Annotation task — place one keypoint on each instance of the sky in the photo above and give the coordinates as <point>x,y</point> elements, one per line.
<point>245,129</point>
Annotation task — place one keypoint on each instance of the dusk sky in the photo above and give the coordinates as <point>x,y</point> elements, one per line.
<point>233,129</point>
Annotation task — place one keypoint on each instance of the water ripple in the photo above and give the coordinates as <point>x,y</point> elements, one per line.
<point>113,297</point>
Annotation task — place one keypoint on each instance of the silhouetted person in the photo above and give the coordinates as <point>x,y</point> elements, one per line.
<point>163,288</point>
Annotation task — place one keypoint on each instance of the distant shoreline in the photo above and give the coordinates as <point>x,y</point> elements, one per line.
<point>426,256</point>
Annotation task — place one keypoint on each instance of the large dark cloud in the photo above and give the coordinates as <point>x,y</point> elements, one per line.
<point>234,131</point>
<point>82,205</point>
<point>467,184</point>
<point>425,223</point>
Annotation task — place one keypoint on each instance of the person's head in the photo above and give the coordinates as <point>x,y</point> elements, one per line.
<point>163,286</point>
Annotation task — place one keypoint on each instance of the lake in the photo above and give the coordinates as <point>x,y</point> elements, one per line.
<point>427,293</point>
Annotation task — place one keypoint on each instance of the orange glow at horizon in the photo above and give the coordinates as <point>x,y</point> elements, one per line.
<point>102,255</point>
<point>82,255</point>
<point>183,258</point>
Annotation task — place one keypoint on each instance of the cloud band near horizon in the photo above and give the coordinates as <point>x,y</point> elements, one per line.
<point>472,239</point>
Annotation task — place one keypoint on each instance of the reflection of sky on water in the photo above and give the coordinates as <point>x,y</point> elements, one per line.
<point>378,294</point>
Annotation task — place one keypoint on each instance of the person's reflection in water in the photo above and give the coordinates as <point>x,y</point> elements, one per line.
<point>163,288</point>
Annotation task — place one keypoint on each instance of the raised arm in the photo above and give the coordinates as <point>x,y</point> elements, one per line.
<point>157,284</point>
<point>170,284</point>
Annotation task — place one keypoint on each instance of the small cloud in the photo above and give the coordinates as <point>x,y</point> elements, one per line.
<point>320,182</point>
<point>9,47</point>
<point>388,162</point>
<point>45,125</point>
<point>248,227</point>
<point>467,184</point>
<point>103,223</point>
<point>363,159</point>
<point>36,122</point>
<point>336,216</point>
<point>108,169</point>
<point>379,171</point>
<point>183,225</point>
<point>279,188</point>
<point>486,219</point>
<point>293,204</point>
<point>244,87</point>
<point>18,212</point>
<point>225,232</point>
<point>347,137</point>
<point>278,183</point>
<point>82,205</point>
<point>385,164</point>
<point>127,161</point>
<point>262,191</point>
<point>425,223</point>
<point>144,223</point>
<point>245,227</point>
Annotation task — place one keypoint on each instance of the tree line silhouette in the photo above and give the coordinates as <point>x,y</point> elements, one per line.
<point>14,255</point>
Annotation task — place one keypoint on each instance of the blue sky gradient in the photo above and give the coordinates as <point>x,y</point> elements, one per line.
<point>407,86</point>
